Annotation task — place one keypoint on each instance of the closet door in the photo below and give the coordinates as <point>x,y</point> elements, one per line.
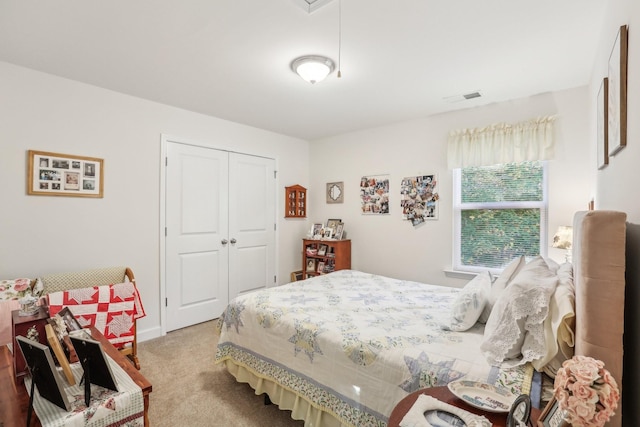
<point>220,230</point>
<point>196,243</point>
<point>252,219</point>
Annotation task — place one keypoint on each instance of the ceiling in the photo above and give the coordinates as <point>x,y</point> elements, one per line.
<point>400,59</point>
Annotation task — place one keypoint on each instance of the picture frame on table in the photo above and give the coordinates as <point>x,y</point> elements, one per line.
<point>602,121</point>
<point>58,350</point>
<point>339,231</point>
<point>617,93</point>
<point>39,360</point>
<point>56,174</point>
<point>552,416</point>
<point>327,233</point>
<point>69,320</point>
<point>333,224</point>
<point>316,229</point>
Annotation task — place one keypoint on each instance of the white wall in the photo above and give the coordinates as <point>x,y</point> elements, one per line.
<point>40,235</point>
<point>388,245</point>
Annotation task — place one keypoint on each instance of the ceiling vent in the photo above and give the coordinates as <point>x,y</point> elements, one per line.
<point>472,95</point>
<point>311,5</point>
<point>463,97</point>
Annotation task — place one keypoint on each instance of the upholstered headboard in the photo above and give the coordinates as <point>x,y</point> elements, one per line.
<point>599,275</point>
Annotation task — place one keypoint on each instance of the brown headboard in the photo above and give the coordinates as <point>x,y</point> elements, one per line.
<point>599,275</point>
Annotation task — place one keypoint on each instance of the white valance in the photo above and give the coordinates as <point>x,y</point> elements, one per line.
<point>502,143</point>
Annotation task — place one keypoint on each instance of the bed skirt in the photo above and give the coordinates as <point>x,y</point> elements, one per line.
<point>301,408</point>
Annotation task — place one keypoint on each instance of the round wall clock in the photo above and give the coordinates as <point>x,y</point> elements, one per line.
<point>335,192</point>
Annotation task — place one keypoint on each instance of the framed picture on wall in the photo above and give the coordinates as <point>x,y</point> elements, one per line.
<point>617,93</point>
<point>54,174</point>
<point>602,119</point>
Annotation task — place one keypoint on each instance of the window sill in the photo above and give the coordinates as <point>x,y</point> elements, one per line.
<point>459,274</point>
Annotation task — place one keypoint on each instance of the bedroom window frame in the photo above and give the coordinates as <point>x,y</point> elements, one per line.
<point>458,207</point>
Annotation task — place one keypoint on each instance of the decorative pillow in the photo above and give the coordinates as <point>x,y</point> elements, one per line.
<point>499,284</point>
<point>14,289</point>
<point>516,324</point>
<point>469,304</point>
<point>559,326</point>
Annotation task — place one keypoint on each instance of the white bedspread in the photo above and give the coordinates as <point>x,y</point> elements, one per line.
<point>354,344</point>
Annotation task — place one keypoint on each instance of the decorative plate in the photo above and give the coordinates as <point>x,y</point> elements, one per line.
<point>483,396</point>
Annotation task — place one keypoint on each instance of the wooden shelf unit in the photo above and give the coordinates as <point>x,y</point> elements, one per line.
<point>337,256</point>
<point>295,202</point>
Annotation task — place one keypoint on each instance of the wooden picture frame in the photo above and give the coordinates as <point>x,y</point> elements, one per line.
<point>297,275</point>
<point>54,343</point>
<point>55,174</point>
<point>617,93</point>
<point>552,416</point>
<point>602,122</point>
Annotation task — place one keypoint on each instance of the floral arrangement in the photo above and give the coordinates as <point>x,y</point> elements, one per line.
<point>586,391</point>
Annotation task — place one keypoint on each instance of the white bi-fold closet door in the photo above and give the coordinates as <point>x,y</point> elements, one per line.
<point>220,230</point>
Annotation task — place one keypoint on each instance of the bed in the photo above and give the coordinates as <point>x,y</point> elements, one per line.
<point>343,348</point>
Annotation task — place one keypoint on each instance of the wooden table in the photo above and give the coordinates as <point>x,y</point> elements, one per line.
<point>14,399</point>
<point>443,394</point>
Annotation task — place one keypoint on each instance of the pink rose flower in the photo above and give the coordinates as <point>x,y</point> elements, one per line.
<point>586,391</point>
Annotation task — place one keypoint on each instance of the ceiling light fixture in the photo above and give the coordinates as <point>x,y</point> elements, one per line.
<point>313,68</point>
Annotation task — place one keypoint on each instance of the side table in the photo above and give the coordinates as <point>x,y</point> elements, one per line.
<point>20,325</point>
<point>443,394</point>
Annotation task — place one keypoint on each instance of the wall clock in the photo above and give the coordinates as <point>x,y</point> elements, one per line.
<point>335,192</point>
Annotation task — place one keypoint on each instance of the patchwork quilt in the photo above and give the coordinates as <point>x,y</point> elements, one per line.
<point>355,344</point>
<point>110,308</point>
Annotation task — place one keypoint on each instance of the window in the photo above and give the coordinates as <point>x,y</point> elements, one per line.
<point>500,212</point>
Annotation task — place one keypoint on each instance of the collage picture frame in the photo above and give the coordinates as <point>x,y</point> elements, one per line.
<point>55,174</point>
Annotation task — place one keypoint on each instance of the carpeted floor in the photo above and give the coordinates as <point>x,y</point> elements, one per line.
<point>190,390</point>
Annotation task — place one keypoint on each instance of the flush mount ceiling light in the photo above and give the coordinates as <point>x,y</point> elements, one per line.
<point>313,68</point>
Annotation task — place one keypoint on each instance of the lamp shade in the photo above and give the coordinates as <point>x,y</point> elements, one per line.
<point>563,237</point>
<point>313,68</point>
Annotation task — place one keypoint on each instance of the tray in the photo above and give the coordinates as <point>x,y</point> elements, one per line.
<point>483,396</point>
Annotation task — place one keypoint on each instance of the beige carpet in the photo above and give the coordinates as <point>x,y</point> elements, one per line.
<point>190,390</point>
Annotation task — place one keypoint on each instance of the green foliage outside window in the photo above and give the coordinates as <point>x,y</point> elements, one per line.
<point>501,213</point>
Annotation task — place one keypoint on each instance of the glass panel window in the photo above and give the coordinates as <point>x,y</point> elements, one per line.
<point>500,212</point>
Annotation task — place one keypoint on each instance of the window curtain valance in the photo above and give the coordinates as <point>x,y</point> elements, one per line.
<point>502,143</point>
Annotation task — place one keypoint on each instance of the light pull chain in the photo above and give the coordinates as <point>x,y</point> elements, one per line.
<point>339,36</point>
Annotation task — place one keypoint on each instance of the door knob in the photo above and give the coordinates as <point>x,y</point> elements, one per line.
<point>233,241</point>
<point>224,241</point>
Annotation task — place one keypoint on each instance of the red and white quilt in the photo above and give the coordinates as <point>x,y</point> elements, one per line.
<point>110,308</point>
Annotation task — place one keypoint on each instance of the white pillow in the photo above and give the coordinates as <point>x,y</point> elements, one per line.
<point>559,326</point>
<point>469,303</point>
<point>500,284</point>
<point>515,326</point>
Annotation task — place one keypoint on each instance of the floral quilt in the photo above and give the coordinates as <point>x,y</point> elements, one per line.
<point>355,344</point>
